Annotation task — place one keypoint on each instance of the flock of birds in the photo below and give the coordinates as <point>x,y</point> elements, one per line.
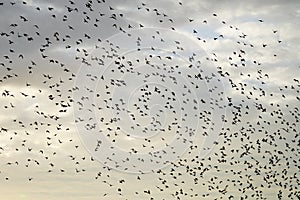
<point>185,115</point>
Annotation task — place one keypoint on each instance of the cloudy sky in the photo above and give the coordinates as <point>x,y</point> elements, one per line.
<point>149,99</point>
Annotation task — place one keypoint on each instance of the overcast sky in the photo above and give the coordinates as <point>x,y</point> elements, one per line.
<point>149,99</point>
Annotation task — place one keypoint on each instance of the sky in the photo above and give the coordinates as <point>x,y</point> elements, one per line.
<point>127,99</point>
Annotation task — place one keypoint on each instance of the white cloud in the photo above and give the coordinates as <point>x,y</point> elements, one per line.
<point>279,16</point>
